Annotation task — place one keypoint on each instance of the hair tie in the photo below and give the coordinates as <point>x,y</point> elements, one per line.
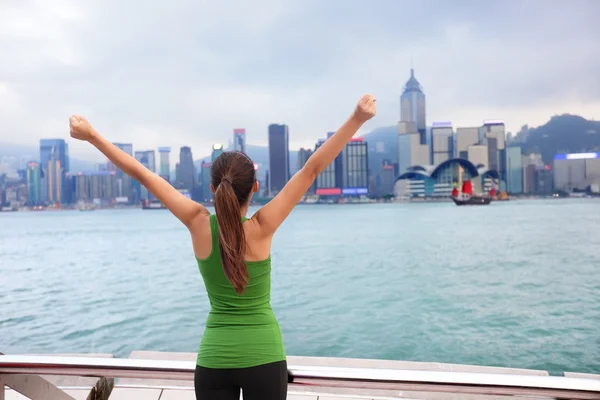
<point>226,179</point>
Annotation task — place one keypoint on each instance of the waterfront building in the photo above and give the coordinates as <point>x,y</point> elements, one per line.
<point>239,140</point>
<point>279,157</point>
<point>576,171</point>
<point>412,106</point>
<point>442,142</point>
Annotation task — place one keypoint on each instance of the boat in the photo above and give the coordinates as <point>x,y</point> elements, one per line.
<point>468,200</point>
<point>152,205</point>
<point>81,206</point>
<point>466,197</point>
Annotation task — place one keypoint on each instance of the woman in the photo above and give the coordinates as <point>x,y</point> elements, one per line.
<point>241,347</point>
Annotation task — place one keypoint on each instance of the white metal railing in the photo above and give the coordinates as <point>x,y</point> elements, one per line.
<point>363,378</point>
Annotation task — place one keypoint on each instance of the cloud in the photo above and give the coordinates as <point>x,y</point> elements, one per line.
<point>188,72</point>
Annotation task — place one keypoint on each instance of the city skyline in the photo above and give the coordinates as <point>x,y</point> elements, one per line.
<point>474,65</point>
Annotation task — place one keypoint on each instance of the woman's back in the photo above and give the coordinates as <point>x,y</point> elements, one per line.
<point>241,330</point>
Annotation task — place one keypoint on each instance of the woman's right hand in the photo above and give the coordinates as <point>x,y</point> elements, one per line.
<point>365,109</point>
<point>81,129</point>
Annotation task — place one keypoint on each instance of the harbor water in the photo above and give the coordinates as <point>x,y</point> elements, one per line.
<point>513,284</point>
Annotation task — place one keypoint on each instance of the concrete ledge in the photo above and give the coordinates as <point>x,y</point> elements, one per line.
<point>135,394</point>
<point>580,375</point>
<point>406,365</point>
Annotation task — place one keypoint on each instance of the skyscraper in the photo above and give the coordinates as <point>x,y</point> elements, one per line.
<point>412,106</point>
<point>239,140</point>
<point>326,183</point>
<point>217,150</point>
<point>187,171</point>
<point>279,157</point>
<point>54,154</point>
<point>165,164</point>
<point>95,186</point>
<point>493,134</point>
<point>55,179</point>
<point>206,194</point>
<point>465,137</point>
<point>514,172</point>
<point>33,178</point>
<point>303,156</point>
<point>147,159</point>
<point>411,151</point>
<point>354,168</point>
<point>124,183</point>
<point>442,142</point>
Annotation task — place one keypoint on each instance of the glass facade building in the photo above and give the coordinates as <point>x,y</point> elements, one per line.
<point>412,106</point>
<point>54,163</point>
<point>514,170</point>
<point>279,157</point>
<point>239,140</point>
<point>355,173</point>
<point>33,179</point>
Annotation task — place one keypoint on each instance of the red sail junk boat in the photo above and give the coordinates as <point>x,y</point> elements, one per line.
<point>466,197</point>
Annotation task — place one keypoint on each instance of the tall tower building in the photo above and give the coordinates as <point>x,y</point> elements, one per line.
<point>54,154</point>
<point>355,170</point>
<point>205,182</point>
<point>217,150</point>
<point>493,134</point>
<point>123,182</point>
<point>412,106</point>
<point>442,142</point>
<point>33,177</point>
<point>187,171</point>
<point>165,163</point>
<point>303,156</point>
<point>147,159</point>
<point>279,157</point>
<point>411,151</point>
<point>239,140</point>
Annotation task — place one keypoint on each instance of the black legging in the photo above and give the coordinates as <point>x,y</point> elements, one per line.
<point>263,382</point>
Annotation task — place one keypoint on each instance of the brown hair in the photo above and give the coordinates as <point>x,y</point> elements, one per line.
<point>232,176</point>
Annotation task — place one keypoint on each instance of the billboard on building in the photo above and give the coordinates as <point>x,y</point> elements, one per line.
<point>329,192</point>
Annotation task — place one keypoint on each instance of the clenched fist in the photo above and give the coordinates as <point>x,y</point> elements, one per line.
<point>365,109</point>
<point>80,128</point>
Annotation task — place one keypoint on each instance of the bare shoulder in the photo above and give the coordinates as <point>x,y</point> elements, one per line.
<point>259,244</point>
<point>254,231</point>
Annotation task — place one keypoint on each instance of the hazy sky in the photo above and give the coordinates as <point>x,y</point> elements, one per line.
<point>187,72</point>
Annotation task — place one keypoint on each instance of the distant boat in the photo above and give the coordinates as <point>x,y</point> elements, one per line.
<point>466,197</point>
<point>152,205</point>
<point>86,207</point>
<point>467,200</point>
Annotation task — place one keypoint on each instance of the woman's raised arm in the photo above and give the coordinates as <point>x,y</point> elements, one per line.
<point>276,211</point>
<point>186,210</point>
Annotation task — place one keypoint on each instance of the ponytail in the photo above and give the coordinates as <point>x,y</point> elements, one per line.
<point>232,239</point>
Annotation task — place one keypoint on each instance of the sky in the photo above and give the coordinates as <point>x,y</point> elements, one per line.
<point>187,72</point>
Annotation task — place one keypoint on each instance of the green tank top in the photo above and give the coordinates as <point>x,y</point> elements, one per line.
<point>241,330</point>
